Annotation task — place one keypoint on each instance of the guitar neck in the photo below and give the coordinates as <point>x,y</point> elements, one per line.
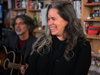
<point>14,65</point>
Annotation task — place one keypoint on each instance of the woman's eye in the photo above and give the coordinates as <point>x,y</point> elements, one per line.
<point>53,18</point>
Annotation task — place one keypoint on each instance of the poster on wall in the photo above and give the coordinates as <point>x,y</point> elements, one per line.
<point>77,7</point>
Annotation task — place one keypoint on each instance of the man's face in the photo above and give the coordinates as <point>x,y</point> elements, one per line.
<point>20,27</point>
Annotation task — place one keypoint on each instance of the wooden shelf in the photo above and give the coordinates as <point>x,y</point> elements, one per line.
<point>97,57</point>
<point>95,20</point>
<point>43,0</point>
<point>86,9</point>
<point>93,37</point>
<point>92,4</point>
<point>35,10</point>
<point>18,9</point>
<point>38,31</point>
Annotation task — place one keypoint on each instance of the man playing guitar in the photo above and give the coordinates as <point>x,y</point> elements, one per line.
<point>20,41</point>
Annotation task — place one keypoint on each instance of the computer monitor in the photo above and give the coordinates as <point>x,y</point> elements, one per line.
<point>1,13</point>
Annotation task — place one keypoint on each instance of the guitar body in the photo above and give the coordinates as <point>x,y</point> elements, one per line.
<point>6,58</point>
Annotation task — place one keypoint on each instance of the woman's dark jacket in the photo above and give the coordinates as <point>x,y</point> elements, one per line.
<point>54,63</point>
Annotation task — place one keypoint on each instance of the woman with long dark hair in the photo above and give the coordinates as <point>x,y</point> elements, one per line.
<point>63,48</point>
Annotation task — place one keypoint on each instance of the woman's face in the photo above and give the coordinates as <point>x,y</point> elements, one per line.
<point>56,23</point>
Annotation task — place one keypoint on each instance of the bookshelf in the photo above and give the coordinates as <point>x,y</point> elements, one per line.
<point>31,9</point>
<point>86,10</point>
<point>93,37</point>
<point>92,4</point>
<point>92,20</point>
<point>87,20</point>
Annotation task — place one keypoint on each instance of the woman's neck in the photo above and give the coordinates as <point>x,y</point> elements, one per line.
<point>62,37</point>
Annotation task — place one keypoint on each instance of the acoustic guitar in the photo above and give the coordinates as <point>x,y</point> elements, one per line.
<point>9,61</point>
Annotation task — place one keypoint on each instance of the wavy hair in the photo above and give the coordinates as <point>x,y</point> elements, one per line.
<point>73,29</point>
<point>27,20</point>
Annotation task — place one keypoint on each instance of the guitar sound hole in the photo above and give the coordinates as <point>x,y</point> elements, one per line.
<point>6,63</point>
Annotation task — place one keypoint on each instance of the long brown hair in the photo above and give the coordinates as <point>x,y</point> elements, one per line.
<point>73,28</point>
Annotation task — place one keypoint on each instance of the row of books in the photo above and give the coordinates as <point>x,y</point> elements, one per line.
<point>18,13</point>
<point>17,4</point>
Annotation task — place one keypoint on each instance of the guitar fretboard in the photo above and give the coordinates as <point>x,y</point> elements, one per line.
<point>14,65</point>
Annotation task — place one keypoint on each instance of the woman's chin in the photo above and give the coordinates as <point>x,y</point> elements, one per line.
<point>53,33</point>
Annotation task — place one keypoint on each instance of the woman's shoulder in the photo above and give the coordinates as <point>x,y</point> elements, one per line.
<point>83,42</point>
<point>82,45</point>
